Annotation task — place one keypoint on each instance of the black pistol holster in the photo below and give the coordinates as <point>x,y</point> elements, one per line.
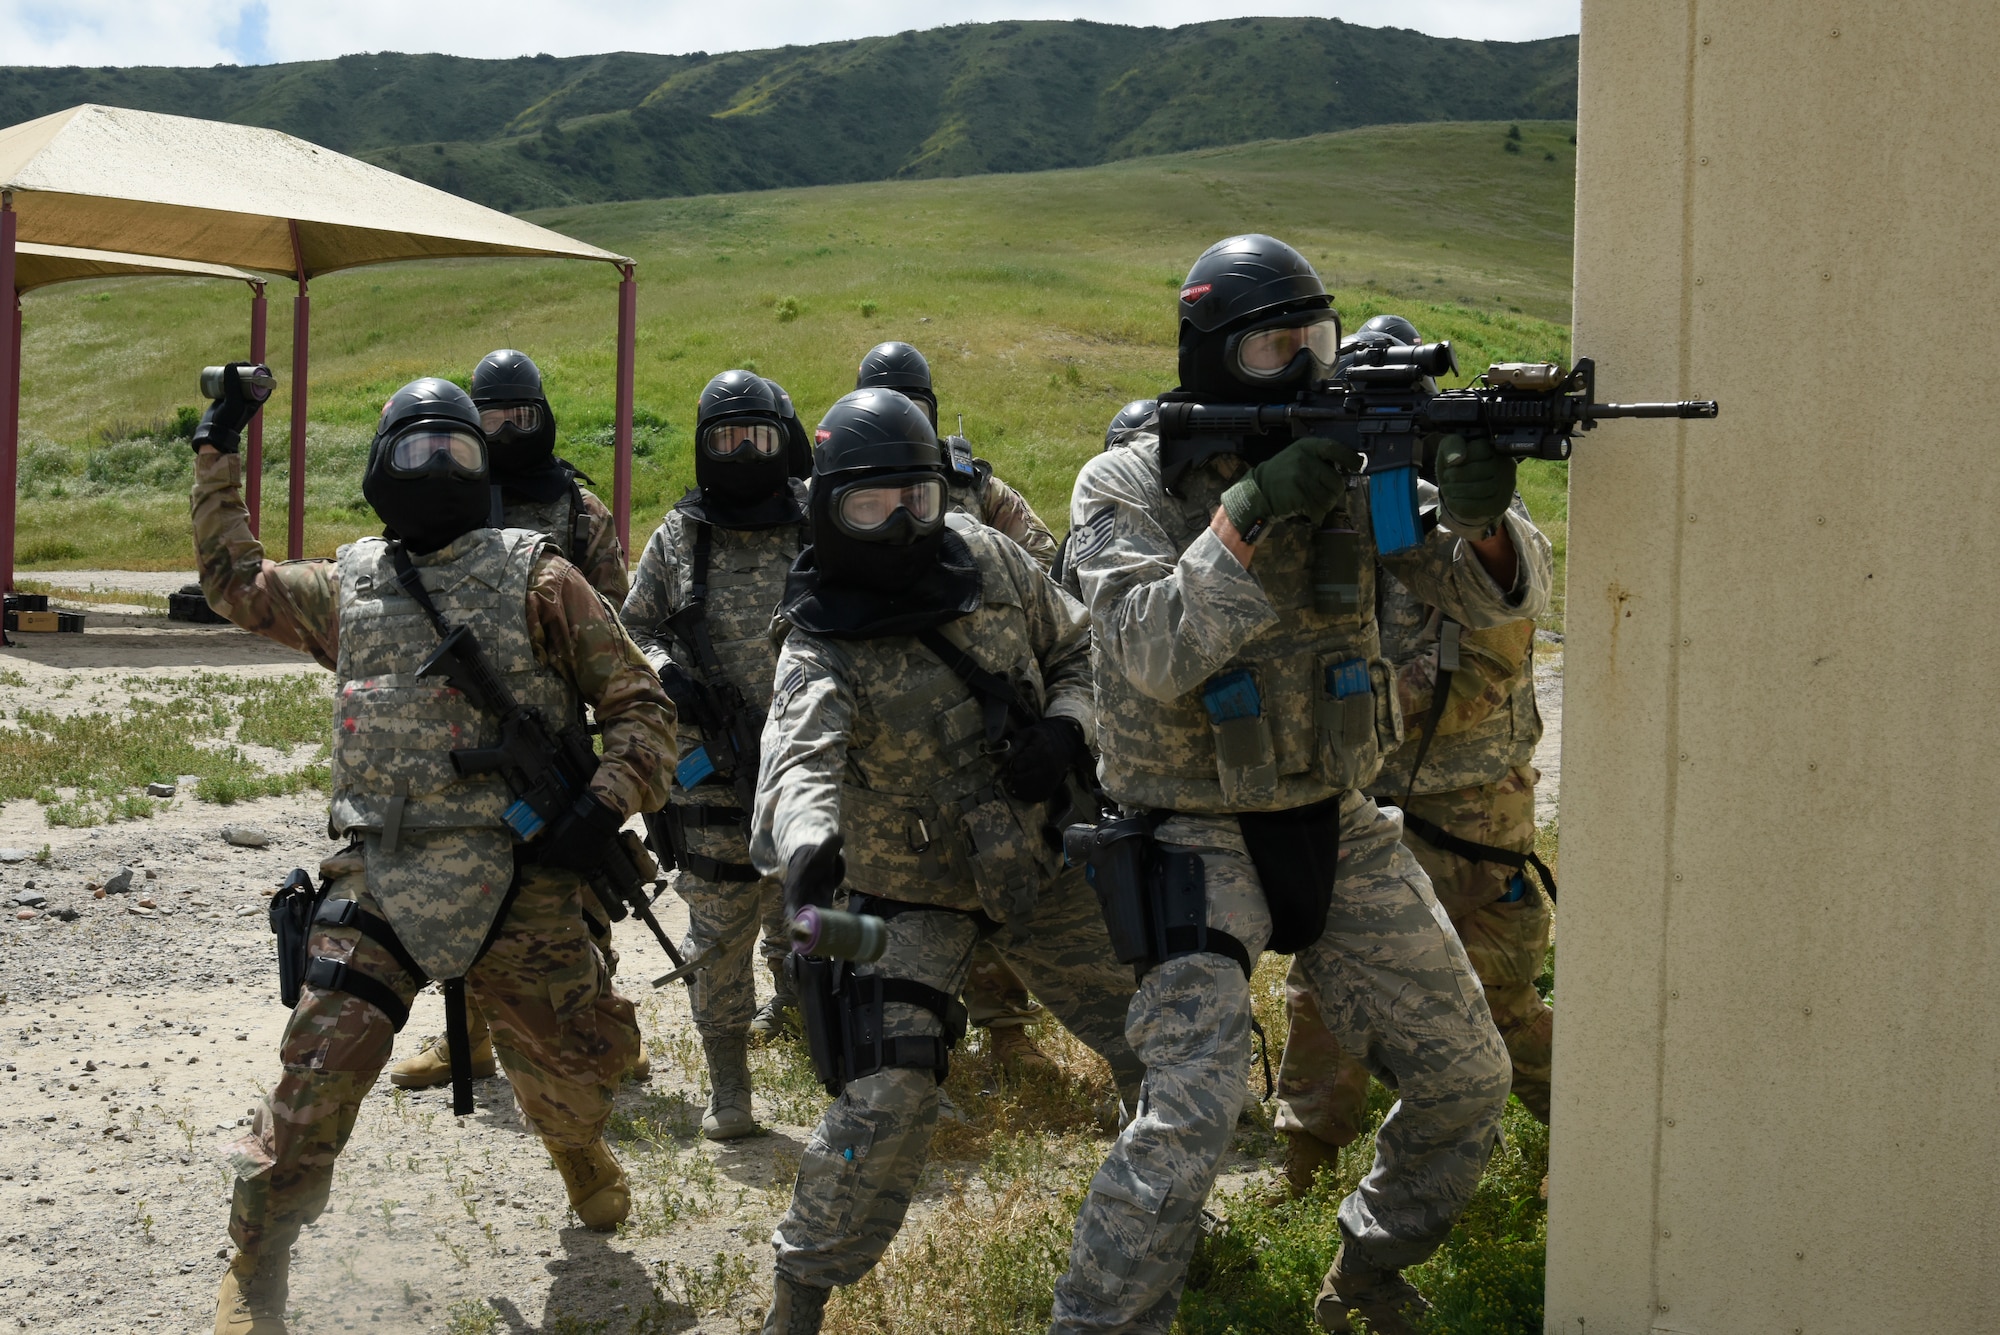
<point>1155,903</point>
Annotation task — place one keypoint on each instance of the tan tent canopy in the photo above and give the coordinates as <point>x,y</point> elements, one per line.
<point>39,266</point>
<point>208,193</point>
<point>142,182</point>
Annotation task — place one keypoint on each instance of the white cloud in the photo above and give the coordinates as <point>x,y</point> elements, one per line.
<point>181,32</point>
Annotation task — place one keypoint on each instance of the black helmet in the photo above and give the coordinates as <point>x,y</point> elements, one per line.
<point>740,443</point>
<point>878,492</point>
<point>429,474</point>
<point>799,450</point>
<point>1392,327</point>
<point>1255,322</point>
<point>514,413</point>
<point>1131,417</point>
<point>900,367</point>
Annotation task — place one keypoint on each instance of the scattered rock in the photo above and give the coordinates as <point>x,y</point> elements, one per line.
<point>159,790</point>
<point>245,836</point>
<point>245,910</point>
<point>97,892</point>
<point>27,915</point>
<point>90,1066</point>
<point>147,904</point>
<point>65,915</point>
<point>14,855</point>
<point>138,912</point>
<point>30,899</point>
<point>152,875</point>
<point>119,882</point>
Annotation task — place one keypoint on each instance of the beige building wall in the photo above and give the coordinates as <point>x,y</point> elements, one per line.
<point>1777,1101</point>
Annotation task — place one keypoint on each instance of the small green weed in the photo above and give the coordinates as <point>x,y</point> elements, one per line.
<point>471,1317</point>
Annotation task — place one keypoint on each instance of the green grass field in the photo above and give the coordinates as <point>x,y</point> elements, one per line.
<point>1044,301</point>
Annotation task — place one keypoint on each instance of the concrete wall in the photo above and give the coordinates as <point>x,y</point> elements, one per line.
<point>1777,1103</point>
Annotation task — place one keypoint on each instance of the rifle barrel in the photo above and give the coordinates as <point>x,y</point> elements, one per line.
<point>1687,408</point>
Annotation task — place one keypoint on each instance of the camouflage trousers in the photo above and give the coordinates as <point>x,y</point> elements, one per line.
<point>729,913</point>
<point>1393,982</point>
<point>477,1030</point>
<point>561,1034</point>
<point>1502,918</point>
<point>864,1159</point>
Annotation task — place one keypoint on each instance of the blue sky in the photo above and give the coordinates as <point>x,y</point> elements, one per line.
<point>184,32</point>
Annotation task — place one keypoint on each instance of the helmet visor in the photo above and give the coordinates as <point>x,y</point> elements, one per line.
<point>730,440</point>
<point>520,416</point>
<point>419,449</point>
<point>1263,354</point>
<point>866,508</point>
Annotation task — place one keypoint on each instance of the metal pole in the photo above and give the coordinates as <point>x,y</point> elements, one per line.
<point>621,468</point>
<point>10,389</point>
<point>253,463</point>
<point>295,520</point>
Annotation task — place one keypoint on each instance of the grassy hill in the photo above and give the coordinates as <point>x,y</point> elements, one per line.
<point>1044,301</point>
<point>991,97</point>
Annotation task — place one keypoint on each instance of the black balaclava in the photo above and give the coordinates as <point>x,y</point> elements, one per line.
<point>523,461</point>
<point>900,367</point>
<point>743,488</point>
<point>449,494</point>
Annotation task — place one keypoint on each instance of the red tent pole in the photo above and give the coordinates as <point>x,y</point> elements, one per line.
<point>10,389</point>
<point>621,468</point>
<point>295,538</point>
<point>253,464</point>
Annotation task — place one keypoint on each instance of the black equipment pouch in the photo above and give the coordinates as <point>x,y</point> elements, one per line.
<point>1297,856</point>
<point>844,1022</point>
<point>1155,903</point>
<point>667,833</point>
<point>291,922</point>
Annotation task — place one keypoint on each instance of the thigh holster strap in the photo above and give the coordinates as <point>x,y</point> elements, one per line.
<point>331,975</point>
<point>710,869</point>
<point>349,913</point>
<point>1195,941</point>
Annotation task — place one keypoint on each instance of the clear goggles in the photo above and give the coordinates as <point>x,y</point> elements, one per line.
<point>866,508</point>
<point>1268,353</point>
<point>520,416</point>
<point>418,450</point>
<point>730,440</point>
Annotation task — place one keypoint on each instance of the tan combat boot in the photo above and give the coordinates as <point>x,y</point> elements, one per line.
<point>796,1309</point>
<point>1390,1304</point>
<point>775,1017</point>
<point>1305,1155</point>
<point>1016,1052</point>
<point>642,1067</point>
<point>596,1185</point>
<point>431,1066</point>
<point>729,1114</point>
<point>252,1300</point>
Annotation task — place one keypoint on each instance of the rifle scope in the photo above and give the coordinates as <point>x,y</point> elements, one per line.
<point>1432,359</point>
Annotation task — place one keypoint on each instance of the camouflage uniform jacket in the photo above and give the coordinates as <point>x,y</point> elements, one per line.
<point>977,492</point>
<point>571,632</point>
<point>584,530</point>
<point>1175,617</point>
<point>1490,723</point>
<point>746,581</point>
<point>879,740</point>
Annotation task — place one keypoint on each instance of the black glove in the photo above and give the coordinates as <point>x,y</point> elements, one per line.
<point>239,393</point>
<point>813,874</point>
<point>1475,483</point>
<point>682,689</point>
<point>580,836</point>
<point>1040,758</point>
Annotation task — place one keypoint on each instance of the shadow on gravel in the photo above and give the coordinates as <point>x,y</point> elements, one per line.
<point>595,1286</point>
<point>206,646</point>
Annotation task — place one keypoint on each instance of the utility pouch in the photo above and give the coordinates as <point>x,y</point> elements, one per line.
<point>292,913</point>
<point>1344,717</point>
<point>1297,855</point>
<point>695,768</point>
<point>1008,859</point>
<point>1336,570</point>
<point>1245,759</point>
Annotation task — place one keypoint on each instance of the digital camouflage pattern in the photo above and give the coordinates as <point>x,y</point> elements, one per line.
<point>440,856</point>
<point>586,532</point>
<point>1394,982</point>
<point>1504,921</point>
<point>1170,608</point>
<point>573,633</point>
<point>560,1032</point>
<point>870,738</point>
<point>746,580</point>
<point>998,506</point>
<point>869,1150</point>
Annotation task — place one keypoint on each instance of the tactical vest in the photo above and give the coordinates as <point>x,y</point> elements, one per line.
<point>1475,756</point>
<point>563,521</point>
<point>921,808</point>
<point>439,856</point>
<point>1304,711</point>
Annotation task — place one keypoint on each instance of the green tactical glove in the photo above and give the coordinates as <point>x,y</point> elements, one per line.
<point>1475,483</point>
<point>1304,478</point>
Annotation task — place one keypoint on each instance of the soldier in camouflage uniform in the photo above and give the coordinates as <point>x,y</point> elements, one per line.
<point>431,871</point>
<point>995,997</point>
<point>707,584</point>
<point>532,489</point>
<point>1241,712</point>
<point>1476,794</point>
<point>932,705</point>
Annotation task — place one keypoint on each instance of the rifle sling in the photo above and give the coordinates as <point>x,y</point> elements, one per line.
<point>1440,699</point>
<point>413,584</point>
<point>1440,838</point>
